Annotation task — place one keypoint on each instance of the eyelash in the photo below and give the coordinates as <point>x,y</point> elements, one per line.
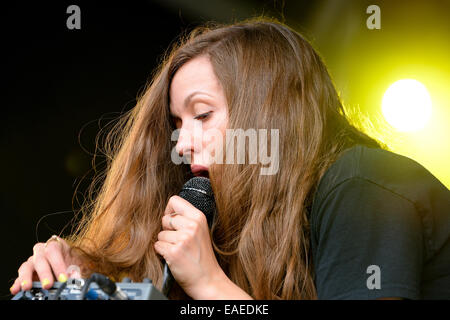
<point>204,115</point>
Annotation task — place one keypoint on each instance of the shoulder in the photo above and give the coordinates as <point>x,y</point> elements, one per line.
<point>393,172</point>
<point>380,184</point>
<point>379,166</point>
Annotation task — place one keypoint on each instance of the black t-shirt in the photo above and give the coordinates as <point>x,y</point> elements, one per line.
<point>380,227</point>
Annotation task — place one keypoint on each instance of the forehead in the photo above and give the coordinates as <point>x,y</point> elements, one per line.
<point>195,75</point>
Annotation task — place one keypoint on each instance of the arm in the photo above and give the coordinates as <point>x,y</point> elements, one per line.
<point>223,289</point>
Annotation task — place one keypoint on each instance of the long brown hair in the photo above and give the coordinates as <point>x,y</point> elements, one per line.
<point>273,79</point>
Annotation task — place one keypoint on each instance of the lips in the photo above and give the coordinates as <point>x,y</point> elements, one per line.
<point>199,171</point>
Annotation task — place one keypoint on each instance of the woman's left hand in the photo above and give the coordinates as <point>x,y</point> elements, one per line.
<point>186,246</point>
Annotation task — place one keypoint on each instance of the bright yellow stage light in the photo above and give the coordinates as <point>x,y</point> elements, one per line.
<point>406,105</point>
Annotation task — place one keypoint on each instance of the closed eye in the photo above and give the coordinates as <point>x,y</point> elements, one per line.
<point>202,116</point>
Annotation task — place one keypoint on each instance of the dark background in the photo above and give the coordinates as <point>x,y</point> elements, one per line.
<point>62,86</point>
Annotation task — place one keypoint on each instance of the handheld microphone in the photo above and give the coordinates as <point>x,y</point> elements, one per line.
<point>198,192</point>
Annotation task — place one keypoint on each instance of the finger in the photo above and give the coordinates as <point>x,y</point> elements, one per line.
<point>25,273</point>
<point>15,288</point>
<point>53,253</point>
<point>177,222</point>
<point>165,249</point>
<point>42,267</point>
<point>183,207</point>
<point>172,237</point>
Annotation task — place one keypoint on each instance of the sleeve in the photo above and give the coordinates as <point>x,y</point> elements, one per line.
<point>369,244</point>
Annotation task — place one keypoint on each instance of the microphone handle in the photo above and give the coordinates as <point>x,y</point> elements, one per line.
<point>167,280</point>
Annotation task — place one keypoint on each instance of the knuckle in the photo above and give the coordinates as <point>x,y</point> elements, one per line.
<point>37,247</point>
<point>51,247</point>
<point>193,227</point>
<point>173,251</point>
<point>190,232</point>
<point>175,200</point>
<point>170,252</point>
<point>184,240</point>
<point>185,237</point>
<point>172,199</point>
<point>200,218</point>
<point>48,249</point>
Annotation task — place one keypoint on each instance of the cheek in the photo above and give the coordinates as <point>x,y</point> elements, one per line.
<point>213,135</point>
<point>212,139</point>
<point>221,122</point>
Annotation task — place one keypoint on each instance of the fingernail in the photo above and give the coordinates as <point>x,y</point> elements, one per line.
<point>11,289</point>
<point>24,283</point>
<point>62,277</point>
<point>45,283</point>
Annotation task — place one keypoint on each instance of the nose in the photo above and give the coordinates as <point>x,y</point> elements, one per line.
<point>185,144</point>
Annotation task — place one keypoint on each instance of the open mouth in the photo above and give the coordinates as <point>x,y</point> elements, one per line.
<point>199,170</point>
<point>202,173</point>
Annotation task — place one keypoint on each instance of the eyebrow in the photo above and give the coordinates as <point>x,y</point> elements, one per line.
<point>188,99</point>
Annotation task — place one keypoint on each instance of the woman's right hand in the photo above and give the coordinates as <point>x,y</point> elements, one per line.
<point>48,262</point>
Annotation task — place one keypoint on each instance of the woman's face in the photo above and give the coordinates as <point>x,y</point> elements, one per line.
<point>199,110</point>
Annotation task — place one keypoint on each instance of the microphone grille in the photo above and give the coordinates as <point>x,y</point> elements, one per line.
<point>198,192</point>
